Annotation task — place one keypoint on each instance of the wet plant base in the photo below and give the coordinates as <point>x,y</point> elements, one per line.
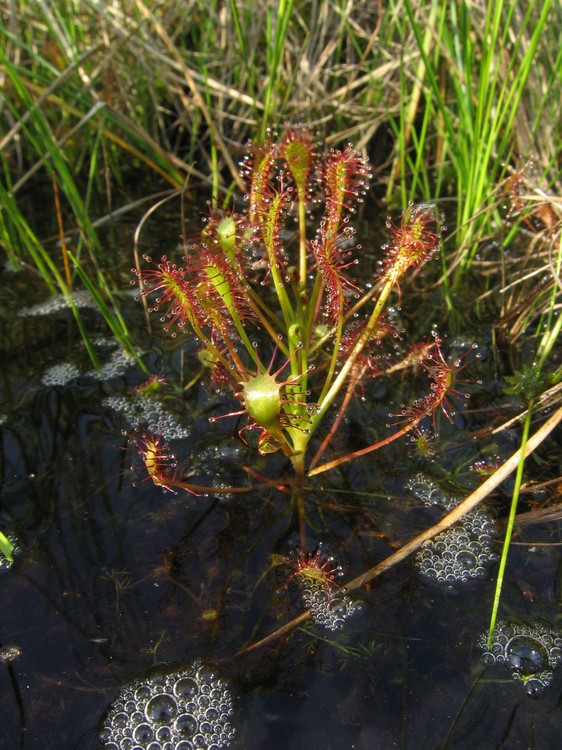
<point>131,608</point>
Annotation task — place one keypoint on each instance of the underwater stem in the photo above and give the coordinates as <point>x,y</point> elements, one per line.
<point>298,461</point>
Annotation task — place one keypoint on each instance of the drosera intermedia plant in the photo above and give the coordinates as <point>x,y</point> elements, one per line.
<point>271,296</point>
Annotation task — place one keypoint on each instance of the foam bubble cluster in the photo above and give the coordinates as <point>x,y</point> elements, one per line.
<point>189,709</point>
<point>9,653</point>
<point>329,607</point>
<point>426,490</point>
<point>460,553</point>
<point>149,413</point>
<point>316,575</point>
<point>117,365</point>
<point>101,342</point>
<point>60,374</point>
<point>58,302</point>
<point>456,555</point>
<point>532,652</point>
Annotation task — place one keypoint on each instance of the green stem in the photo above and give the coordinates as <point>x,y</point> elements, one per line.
<point>260,309</point>
<point>356,351</point>
<point>280,290</point>
<point>335,425</point>
<point>334,359</point>
<point>510,523</point>
<point>302,246</point>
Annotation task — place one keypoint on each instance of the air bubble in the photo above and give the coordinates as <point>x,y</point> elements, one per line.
<point>466,559</point>
<point>526,654</point>
<point>143,693</point>
<point>186,688</point>
<point>164,734</point>
<point>143,733</point>
<point>120,720</point>
<point>161,708</point>
<point>534,687</point>
<point>186,725</point>
<point>203,701</point>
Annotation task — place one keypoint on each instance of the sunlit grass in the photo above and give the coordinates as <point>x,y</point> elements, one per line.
<point>473,106</point>
<point>448,98</point>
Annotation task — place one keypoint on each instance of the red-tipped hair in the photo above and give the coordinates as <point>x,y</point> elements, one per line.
<point>344,178</point>
<point>297,151</point>
<point>414,241</point>
<point>174,293</point>
<point>333,256</point>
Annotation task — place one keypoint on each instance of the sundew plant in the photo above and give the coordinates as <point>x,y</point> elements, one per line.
<point>272,295</point>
